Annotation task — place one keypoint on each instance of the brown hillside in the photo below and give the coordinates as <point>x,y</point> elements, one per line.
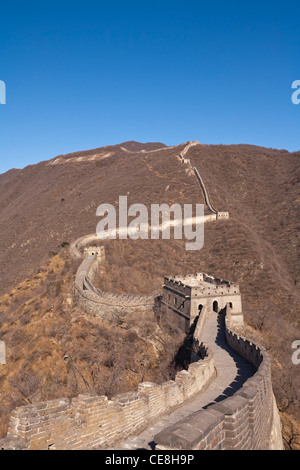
<point>8,175</point>
<point>133,146</point>
<point>45,206</point>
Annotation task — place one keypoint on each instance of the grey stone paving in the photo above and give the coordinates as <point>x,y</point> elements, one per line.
<point>232,371</point>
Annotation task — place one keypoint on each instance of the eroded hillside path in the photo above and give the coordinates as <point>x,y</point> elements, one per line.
<point>231,372</point>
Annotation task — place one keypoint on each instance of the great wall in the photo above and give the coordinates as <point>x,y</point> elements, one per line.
<point>97,302</point>
<point>223,401</point>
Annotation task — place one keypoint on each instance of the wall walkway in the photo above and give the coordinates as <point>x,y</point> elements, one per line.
<point>232,370</point>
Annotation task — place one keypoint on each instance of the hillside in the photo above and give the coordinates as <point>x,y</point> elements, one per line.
<point>45,207</point>
<point>5,177</point>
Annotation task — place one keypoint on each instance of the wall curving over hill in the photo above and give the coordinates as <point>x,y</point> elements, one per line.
<point>95,301</point>
<point>246,420</point>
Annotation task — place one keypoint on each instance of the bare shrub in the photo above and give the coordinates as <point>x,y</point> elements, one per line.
<point>26,385</point>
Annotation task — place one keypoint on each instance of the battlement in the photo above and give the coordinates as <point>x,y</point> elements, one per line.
<point>200,284</point>
<point>186,296</point>
<point>98,302</point>
<point>91,421</point>
<point>222,215</point>
<point>248,420</point>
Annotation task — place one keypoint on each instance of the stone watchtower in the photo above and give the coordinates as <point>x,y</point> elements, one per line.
<point>96,251</point>
<point>186,297</point>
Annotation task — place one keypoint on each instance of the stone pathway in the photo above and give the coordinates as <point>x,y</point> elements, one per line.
<point>232,371</point>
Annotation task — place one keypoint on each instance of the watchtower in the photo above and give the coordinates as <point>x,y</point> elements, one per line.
<point>186,297</point>
<point>96,251</point>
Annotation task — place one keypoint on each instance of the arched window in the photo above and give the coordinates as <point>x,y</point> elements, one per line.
<point>215,306</point>
<point>200,308</point>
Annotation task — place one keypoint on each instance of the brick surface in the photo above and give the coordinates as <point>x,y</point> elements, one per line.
<point>238,407</point>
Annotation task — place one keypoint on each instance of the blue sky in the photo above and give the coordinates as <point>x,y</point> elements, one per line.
<point>81,75</point>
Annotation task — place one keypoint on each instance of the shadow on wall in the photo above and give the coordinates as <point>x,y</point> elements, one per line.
<point>182,359</point>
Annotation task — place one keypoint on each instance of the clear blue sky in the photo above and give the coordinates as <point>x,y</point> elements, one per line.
<point>86,74</point>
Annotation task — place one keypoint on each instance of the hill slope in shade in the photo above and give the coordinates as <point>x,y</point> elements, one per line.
<point>45,206</point>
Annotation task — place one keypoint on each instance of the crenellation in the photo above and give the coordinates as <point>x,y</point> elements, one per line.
<point>222,215</point>
<point>98,302</point>
<point>89,420</point>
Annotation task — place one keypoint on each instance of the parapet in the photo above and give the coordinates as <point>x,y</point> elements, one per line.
<point>198,284</point>
<point>98,302</point>
<point>222,215</point>
<point>248,420</point>
<point>177,285</point>
<point>90,421</point>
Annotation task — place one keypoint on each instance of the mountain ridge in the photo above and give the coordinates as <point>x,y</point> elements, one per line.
<point>46,207</point>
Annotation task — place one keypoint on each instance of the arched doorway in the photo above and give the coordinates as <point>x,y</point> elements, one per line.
<point>216,306</point>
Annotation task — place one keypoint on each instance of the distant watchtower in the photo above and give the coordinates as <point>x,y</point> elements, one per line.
<point>96,251</point>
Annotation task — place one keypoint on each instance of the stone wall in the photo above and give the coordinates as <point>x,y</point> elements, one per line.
<point>246,421</point>
<point>103,304</point>
<point>90,421</point>
<point>204,190</point>
<point>77,245</point>
<point>218,215</point>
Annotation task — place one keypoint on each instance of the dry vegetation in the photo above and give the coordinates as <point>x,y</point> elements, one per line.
<point>54,350</point>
